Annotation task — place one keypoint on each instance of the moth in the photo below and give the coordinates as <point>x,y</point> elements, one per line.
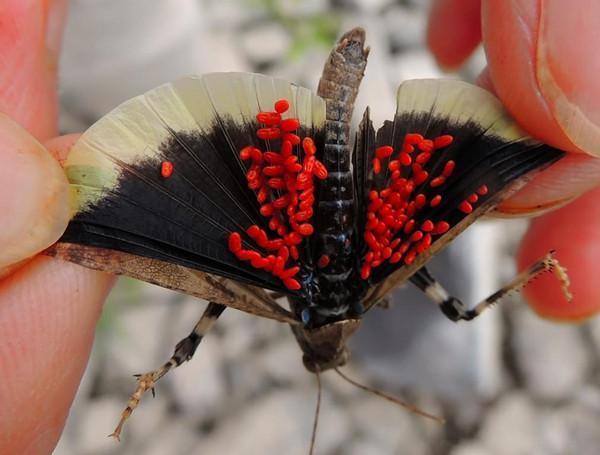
<point>241,188</point>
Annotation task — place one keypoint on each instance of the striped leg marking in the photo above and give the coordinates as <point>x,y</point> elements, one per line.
<point>184,350</point>
<point>455,310</point>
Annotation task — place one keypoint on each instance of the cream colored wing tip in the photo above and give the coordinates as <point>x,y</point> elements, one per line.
<point>446,85</point>
<point>462,102</point>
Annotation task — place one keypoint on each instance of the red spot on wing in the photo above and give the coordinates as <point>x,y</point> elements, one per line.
<point>284,187</point>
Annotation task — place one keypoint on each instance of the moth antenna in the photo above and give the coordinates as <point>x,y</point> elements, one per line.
<point>410,407</point>
<point>313,437</point>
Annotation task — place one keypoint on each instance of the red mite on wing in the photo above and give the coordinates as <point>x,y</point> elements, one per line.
<point>391,232</point>
<point>196,187</point>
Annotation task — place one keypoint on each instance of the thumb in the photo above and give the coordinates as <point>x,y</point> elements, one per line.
<point>544,65</point>
<point>34,202</point>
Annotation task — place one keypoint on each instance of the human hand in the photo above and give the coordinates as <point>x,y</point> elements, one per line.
<point>48,308</point>
<point>543,64</point>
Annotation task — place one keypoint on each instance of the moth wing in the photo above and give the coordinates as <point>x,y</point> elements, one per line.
<point>491,158</point>
<point>176,277</point>
<point>198,124</point>
<point>364,151</point>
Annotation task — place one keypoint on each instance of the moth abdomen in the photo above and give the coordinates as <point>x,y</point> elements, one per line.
<point>335,222</point>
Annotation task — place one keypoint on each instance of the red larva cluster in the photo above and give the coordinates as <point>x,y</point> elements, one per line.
<point>391,232</point>
<point>285,189</point>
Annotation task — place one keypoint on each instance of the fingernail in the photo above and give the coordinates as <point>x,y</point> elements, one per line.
<point>34,203</point>
<point>568,68</point>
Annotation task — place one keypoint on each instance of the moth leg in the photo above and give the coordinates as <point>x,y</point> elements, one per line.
<point>385,302</point>
<point>184,350</point>
<point>455,310</point>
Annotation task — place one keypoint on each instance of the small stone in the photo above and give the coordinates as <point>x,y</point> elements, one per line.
<point>341,389</point>
<point>281,422</point>
<point>569,429</point>
<point>178,436</point>
<point>377,90</point>
<point>470,70</point>
<point>282,362</point>
<point>134,344</point>
<point>65,446</point>
<point>150,42</point>
<point>388,426</point>
<point>593,327</point>
<point>295,8</point>
<point>510,426</point>
<point>362,447</point>
<point>302,70</point>
<point>405,27</point>
<point>198,386</point>
<point>266,43</point>
<point>413,64</point>
<point>99,420</point>
<point>246,378</point>
<point>470,448</point>
<point>422,4</point>
<point>149,418</point>
<point>370,7</point>
<point>552,358</point>
<point>241,333</point>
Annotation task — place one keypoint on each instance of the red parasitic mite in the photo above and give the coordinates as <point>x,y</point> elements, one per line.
<point>392,212</point>
<point>285,192</point>
<point>166,169</point>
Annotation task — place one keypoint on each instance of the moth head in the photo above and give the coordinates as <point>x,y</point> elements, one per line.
<point>325,347</point>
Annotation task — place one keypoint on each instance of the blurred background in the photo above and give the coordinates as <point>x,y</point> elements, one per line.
<point>508,383</point>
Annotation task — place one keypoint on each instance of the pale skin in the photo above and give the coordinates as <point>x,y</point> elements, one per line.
<point>48,308</point>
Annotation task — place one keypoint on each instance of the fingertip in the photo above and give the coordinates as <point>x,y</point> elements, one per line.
<point>47,319</point>
<point>454,31</point>
<point>60,146</point>
<point>546,91</point>
<point>573,232</point>
<point>34,202</point>
<point>29,44</point>
<point>555,186</point>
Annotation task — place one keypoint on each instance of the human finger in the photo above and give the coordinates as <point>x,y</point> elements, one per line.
<point>47,307</point>
<point>34,202</point>
<point>48,312</point>
<point>30,39</point>
<point>544,65</point>
<point>454,30</point>
<point>555,186</point>
<point>573,232</point>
